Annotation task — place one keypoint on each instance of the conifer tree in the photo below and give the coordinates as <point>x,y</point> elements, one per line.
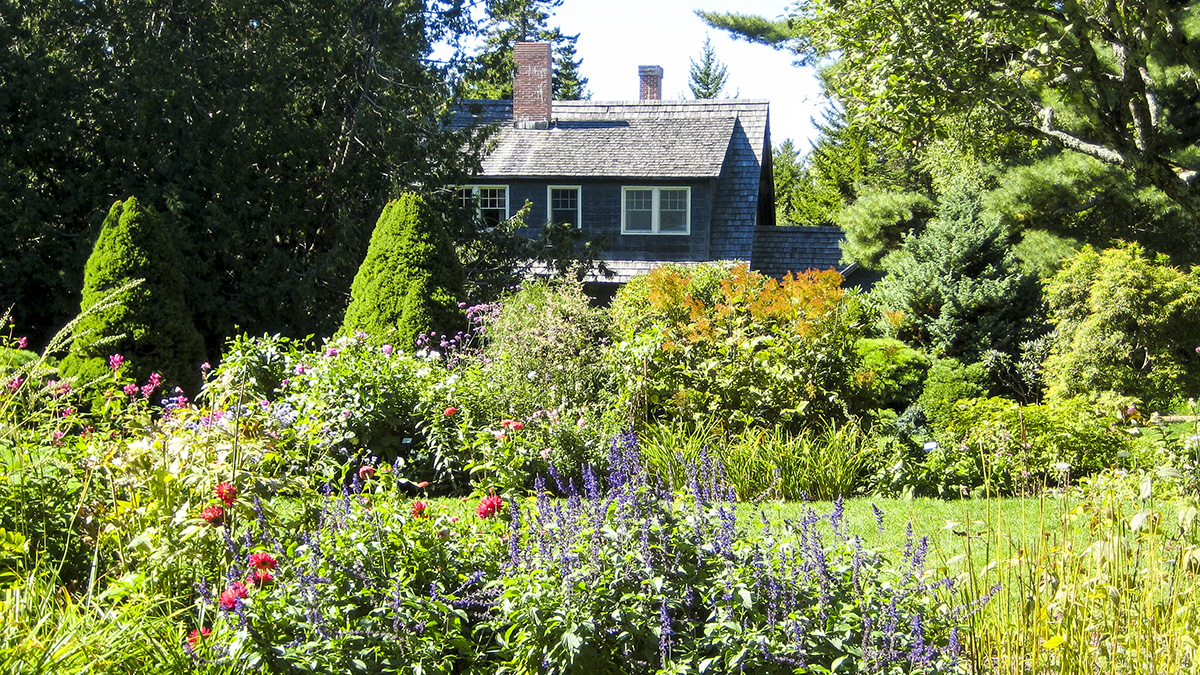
<point>707,78</point>
<point>959,286</point>
<point>513,21</point>
<point>150,325</point>
<point>411,279</point>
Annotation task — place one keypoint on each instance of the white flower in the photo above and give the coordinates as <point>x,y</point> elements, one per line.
<point>1062,467</point>
<point>930,446</point>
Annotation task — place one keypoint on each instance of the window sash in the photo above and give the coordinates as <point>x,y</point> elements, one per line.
<point>563,205</point>
<point>490,202</point>
<point>656,210</point>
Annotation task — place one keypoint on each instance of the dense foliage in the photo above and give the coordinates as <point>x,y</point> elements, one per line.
<point>1124,323</point>
<point>760,351</point>
<point>268,134</point>
<point>958,287</point>
<point>411,280</point>
<point>149,323</point>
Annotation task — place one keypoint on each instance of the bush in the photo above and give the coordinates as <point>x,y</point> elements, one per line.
<point>959,287</point>
<point>948,381</point>
<point>1000,446</point>
<point>411,280</point>
<point>890,374</point>
<point>1124,323</point>
<point>757,351</point>
<point>149,324</point>
<point>544,351</point>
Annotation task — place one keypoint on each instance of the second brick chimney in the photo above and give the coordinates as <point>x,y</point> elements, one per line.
<point>651,82</point>
<point>532,89</point>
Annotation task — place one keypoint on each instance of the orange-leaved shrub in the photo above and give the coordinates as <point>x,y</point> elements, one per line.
<point>713,340</point>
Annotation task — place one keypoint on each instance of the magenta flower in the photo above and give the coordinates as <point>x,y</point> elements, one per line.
<point>489,506</point>
<point>130,390</point>
<point>115,361</point>
<point>331,352</point>
<point>15,383</point>
<point>22,342</point>
<point>387,350</point>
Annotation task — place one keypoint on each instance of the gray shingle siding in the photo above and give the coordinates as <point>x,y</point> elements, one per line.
<point>601,216</point>
<point>779,250</point>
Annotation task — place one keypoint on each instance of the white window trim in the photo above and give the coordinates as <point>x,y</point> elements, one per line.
<point>475,195</point>
<point>654,214</point>
<point>578,202</point>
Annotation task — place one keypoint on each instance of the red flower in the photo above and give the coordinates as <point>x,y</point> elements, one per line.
<point>236,591</point>
<point>419,508</point>
<point>512,425</point>
<point>490,506</point>
<point>261,578</point>
<point>227,492</point>
<point>449,412</point>
<point>197,635</point>
<point>262,561</point>
<point>423,484</point>
<point>215,515</point>
<point>366,471</point>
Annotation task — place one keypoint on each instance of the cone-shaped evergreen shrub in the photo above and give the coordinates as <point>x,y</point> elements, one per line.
<point>156,327</point>
<point>411,279</point>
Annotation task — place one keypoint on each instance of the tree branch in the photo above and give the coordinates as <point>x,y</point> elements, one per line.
<point>1047,130</point>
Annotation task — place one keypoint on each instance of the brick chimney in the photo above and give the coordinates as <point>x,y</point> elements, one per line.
<point>651,82</point>
<point>532,90</point>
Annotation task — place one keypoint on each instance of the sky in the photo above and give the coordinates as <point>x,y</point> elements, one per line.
<point>617,36</point>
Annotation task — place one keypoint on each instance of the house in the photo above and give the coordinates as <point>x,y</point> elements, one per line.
<point>662,181</point>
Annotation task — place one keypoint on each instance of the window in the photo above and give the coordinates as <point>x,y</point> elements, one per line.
<point>563,205</point>
<point>655,210</point>
<point>490,202</point>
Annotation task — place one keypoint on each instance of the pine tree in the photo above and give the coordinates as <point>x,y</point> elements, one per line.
<point>513,21</point>
<point>958,285</point>
<point>150,325</point>
<point>411,279</point>
<point>568,84</point>
<point>707,78</point>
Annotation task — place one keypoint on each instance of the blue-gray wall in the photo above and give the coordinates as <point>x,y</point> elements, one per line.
<point>602,216</point>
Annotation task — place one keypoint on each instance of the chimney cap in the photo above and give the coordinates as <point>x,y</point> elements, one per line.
<point>651,71</point>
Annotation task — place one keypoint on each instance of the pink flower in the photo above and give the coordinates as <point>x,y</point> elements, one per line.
<point>581,423</point>
<point>115,361</point>
<point>423,484</point>
<point>213,515</point>
<point>230,596</point>
<point>300,369</point>
<point>261,578</point>
<point>15,383</point>
<point>226,492</point>
<point>419,508</point>
<point>360,335</point>
<point>205,367</point>
<point>58,388</point>
<point>130,390</point>
<point>490,506</point>
<point>386,349</point>
<point>545,453</point>
<point>67,412</point>
<point>449,412</point>
<point>454,519</point>
<point>366,472</point>
<point>331,352</point>
<point>196,636</point>
<point>263,561</point>
<point>22,342</point>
